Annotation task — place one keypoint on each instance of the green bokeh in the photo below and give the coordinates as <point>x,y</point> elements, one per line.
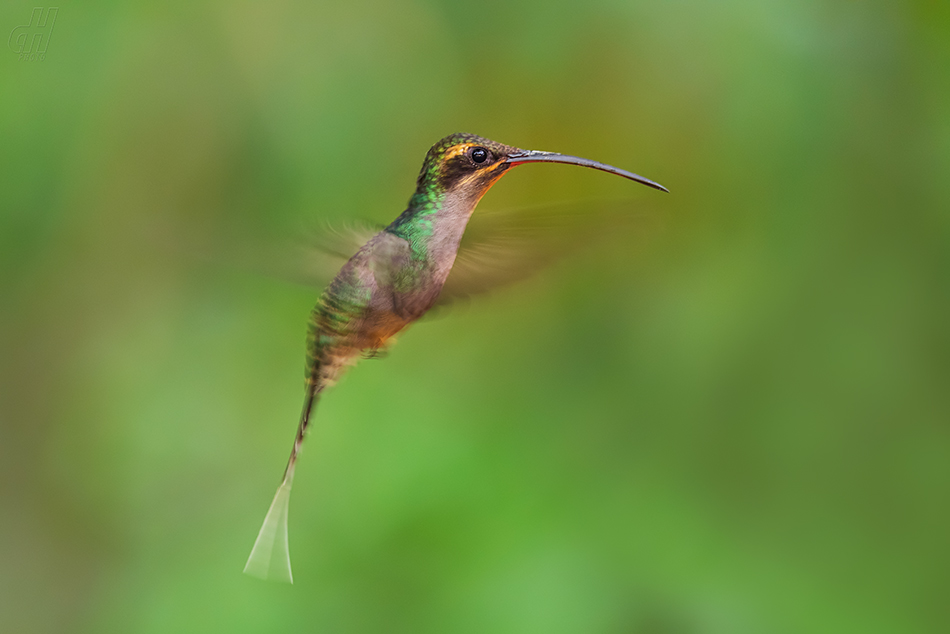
<point>737,423</point>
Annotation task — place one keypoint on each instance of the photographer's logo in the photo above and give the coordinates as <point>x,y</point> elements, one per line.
<point>30,41</point>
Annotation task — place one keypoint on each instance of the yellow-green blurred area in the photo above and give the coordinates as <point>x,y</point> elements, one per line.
<point>736,420</point>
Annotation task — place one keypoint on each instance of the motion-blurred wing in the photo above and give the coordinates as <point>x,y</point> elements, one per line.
<point>312,260</point>
<point>503,247</point>
<point>498,248</point>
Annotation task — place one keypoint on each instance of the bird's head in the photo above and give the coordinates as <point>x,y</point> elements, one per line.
<point>467,165</point>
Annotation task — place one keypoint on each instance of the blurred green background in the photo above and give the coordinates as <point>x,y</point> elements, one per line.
<point>737,423</point>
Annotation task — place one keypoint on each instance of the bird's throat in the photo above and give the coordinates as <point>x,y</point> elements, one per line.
<point>433,225</point>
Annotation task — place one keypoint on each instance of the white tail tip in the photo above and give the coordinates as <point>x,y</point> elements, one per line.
<point>270,557</point>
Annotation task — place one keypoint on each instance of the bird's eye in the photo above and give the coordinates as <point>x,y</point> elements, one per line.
<point>479,155</point>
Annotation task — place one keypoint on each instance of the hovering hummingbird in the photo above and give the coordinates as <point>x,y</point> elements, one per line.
<point>391,281</point>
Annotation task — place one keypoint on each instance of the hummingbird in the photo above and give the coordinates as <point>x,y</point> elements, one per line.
<point>390,282</point>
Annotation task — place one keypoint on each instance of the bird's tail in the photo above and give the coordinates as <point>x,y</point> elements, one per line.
<point>270,556</point>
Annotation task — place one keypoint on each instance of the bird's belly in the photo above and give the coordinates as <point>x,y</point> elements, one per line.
<point>385,323</point>
<point>339,350</point>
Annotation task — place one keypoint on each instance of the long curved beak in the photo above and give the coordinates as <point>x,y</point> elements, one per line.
<point>535,156</point>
